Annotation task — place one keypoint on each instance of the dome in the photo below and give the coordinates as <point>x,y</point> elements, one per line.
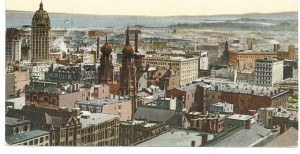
<point>41,17</point>
<point>106,49</point>
<point>128,50</point>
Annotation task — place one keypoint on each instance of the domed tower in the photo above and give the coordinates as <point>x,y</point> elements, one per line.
<point>40,35</point>
<point>128,73</point>
<point>105,70</point>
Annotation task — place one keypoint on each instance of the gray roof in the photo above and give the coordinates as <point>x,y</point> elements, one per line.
<point>14,121</point>
<point>101,101</point>
<point>97,118</point>
<point>287,139</point>
<point>245,137</point>
<point>179,138</point>
<point>153,114</point>
<point>13,139</point>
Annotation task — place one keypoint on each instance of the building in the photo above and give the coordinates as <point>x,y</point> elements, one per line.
<point>120,107</point>
<point>12,45</point>
<point>203,61</point>
<point>246,99</point>
<point>18,132</point>
<point>83,74</point>
<point>220,107</point>
<point>290,84</point>
<point>192,96</point>
<point>268,71</point>
<point>99,130</point>
<point>264,116</point>
<point>247,58</point>
<point>137,131</point>
<point>9,85</point>
<point>64,126</point>
<point>239,120</point>
<point>225,57</point>
<point>40,35</point>
<point>105,70</point>
<point>178,138</point>
<point>21,79</point>
<point>290,69</point>
<point>185,68</point>
<point>211,123</point>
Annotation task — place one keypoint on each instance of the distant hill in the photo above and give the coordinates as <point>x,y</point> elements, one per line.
<point>61,20</point>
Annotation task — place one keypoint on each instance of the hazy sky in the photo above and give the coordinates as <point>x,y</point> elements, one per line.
<point>156,7</point>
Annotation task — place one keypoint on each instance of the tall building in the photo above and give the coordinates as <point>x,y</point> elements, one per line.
<point>105,70</point>
<point>268,71</point>
<point>13,45</point>
<point>40,35</point>
<point>225,56</point>
<point>128,73</point>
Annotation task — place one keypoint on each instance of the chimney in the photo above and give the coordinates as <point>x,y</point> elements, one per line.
<point>76,112</point>
<point>252,92</point>
<point>22,118</point>
<point>278,46</point>
<point>274,47</point>
<point>136,40</point>
<point>247,124</point>
<point>282,128</point>
<point>271,93</point>
<point>97,57</point>
<point>193,143</point>
<point>216,88</point>
<point>204,139</point>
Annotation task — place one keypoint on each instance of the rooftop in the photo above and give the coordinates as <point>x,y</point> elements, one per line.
<point>288,139</point>
<point>96,118</point>
<point>176,138</point>
<point>15,121</point>
<point>12,139</point>
<point>244,137</point>
<point>101,101</point>
<point>240,117</point>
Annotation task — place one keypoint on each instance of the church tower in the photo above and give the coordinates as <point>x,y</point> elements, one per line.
<point>105,70</point>
<point>40,36</point>
<point>128,73</point>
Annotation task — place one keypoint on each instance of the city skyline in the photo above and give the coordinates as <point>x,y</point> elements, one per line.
<point>157,7</point>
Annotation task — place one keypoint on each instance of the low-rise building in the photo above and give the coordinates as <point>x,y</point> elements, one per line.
<point>239,120</point>
<point>137,131</point>
<point>211,123</point>
<point>31,138</point>
<point>178,138</point>
<point>120,107</point>
<point>99,129</point>
<point>220,107</point>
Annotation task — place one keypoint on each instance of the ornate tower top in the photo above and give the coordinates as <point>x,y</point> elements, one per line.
<point>106,48</point>
<point>127,50</point>
<point>41,18</point>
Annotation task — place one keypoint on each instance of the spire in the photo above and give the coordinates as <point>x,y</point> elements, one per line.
<point>127,36</point>
<point>105,38</point>
<point>226,46</point>
<point>41,5</point>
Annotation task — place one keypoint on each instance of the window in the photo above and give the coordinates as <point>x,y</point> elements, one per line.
<point>30,142</point>
<point>36,141</point>
<point>42,140</point>
<point>47,138</point>
<point>25,128</point>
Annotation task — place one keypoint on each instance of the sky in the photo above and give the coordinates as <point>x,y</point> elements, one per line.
<point>156,7</point>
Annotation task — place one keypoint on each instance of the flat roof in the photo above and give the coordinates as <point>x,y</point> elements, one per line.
<point>240,117</point>
<point>97,118</point>
<point>14,121</point>
<point>101,101</point>
<point>179,138</point>
<point>12,139</point>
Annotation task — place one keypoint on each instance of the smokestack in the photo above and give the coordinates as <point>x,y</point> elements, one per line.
<point>282,129</point>
<point>248,124</point>
<point>204,139</point>
<point>193,143</point>
<point>97,57</point>
<point>136,40</point>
